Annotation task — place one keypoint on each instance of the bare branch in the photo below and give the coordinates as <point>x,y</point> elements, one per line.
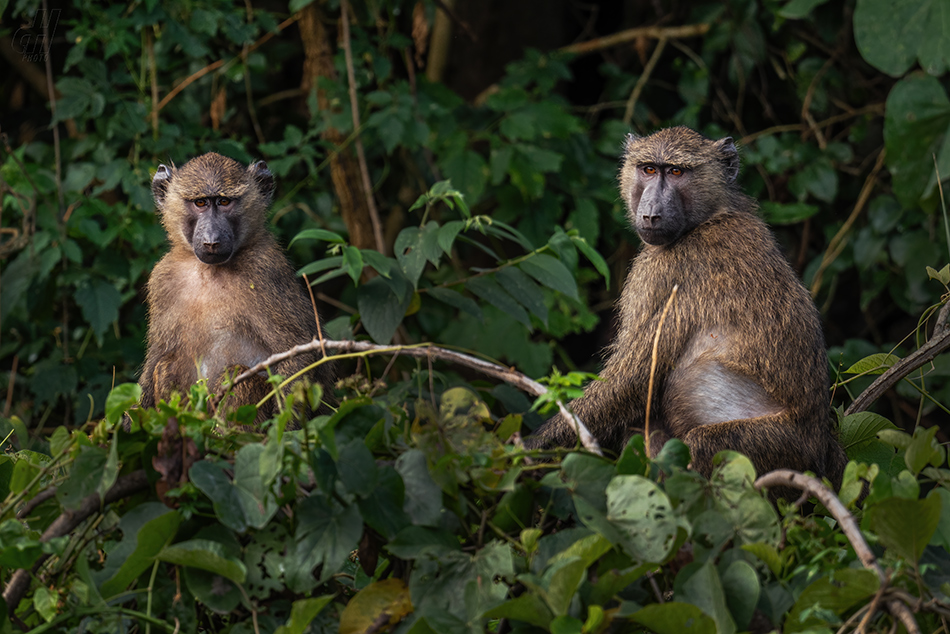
<point>938,343</point>
<point>65,523</point>
<point>655,32</point>
<point>849,526</point>
<point>427,350</point>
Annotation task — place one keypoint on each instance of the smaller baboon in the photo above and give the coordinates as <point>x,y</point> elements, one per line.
<point>224,298</point>
<point>741,357</point>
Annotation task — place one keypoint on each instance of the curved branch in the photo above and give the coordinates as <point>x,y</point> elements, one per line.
<point>426,350</point>
<point>655,32</point>
<point>849,526</point>
<point>939,342</point>
<point>65,523</point>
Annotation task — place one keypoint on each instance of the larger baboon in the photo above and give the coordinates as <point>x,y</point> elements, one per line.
<point>224,298</point>
<point>741,357</point>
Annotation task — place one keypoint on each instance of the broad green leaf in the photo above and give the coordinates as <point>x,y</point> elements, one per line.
<point>529,607</point>
<point>891,35</point>
<point>941,536</point>
<point>211,480</point>
<point>848,587</point>
<point>378,261</point>
<point>787,213</point>
<point>551,272</point>
<point>321,265</point>
<point>414,246</point>
<point>45,601</point>
<point>905,526</point>
<point>206,555</point>
<point>383,509</point>
<point>431,248</point>
<point>146,530</point>
<point>121,399</point>
<point>862,427</point>
<point>217,593</point>
<point>768,554</point>
<point>674,617</point>
<point>923,450</point>
<point>423,496</point>
<point>644,515</point>
<point>489,290</point>
<point>302,613</point>
<point>99,301</point>
<point>423,542</point>
<point>798,9</point>
<point>456,300</point>
<point>353,263</point>
<point>942,276</point>
<point>525,290</point>
<point>741,585</point>
<point>357,468</point>
<point>916,120</point>
<point>327,532</point>
<point>468,172</point>
<point>259,503</point>
<point>874,364</point>
<point>381,310</point>
<point>702,588</point>
<point>84,478</point>
<point>447,234</point>
<point>595,258</point>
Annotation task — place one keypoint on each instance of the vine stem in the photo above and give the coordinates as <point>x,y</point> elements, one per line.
<point>653,361</point>
<point>849,526</point>
<point>349,349</point>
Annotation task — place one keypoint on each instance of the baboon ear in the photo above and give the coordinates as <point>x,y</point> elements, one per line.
<point>263,177</point>
<point>163,176</point>
<point>628,141</point>
<point>729,156</point>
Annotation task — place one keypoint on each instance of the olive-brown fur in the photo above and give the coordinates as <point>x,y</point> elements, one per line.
<point>741,357</point>
<point>222,318</point>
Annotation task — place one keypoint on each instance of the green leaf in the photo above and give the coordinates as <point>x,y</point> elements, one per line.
<point>862,427</point>
<point>891,36</point>
<point>595,258</point>
<point>146,529</point>
<point>206,555</point>
<point>45,602</point>
<point>378,261</point>
<point>699,585</point>
<point>524,290</point>
<point>99,301</point>
<point>644,515</point>
<point>409,253</point>
<point>211,480</point>
<point>847,588</point>
<point>741,585</point>
<point>923,450</point>
<point>121,399</point>
<point>916,119</point>
<point>786,213</point>
<point>84,477</point>
<point>468,172</point>
<point>905,526</point>
<point>302,613</point>
<point>423,496</point>
<point>353,263</point>
<point>259,503</point>
<point>674,617</point>
<point>942,276</point>
<point>798,9</point>
<point>456,300</point>
<point>357,468</point>
<point>327,532</point>
<point>489,290</point>
<point>447,234</point>
<point>551,272</point>
<point>381,310</point>
<point>768,554</point>
<point>877,363</point>
<point>321,265</point>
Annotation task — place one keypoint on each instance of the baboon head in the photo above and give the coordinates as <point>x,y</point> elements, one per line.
<point>675,179</point>
<point>213,204</point>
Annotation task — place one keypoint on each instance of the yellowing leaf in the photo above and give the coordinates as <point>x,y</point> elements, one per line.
<point>389,596</point>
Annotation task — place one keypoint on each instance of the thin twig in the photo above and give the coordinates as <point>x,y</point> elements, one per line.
<point>316,317</point>
<point>642,81</point>
<point>653,363</point>
<point>360,153</point>
<point>65,523</point>
<point>656,32</point>
<point>837,243</point>
<point>423,350</point>
<point>849,526</point>
<point>939,342</point>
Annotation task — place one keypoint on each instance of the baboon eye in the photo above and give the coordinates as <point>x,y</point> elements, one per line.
<point>223,201</point>
<point>649,169</point>
<point>675,171</point>
<point>201,202</point>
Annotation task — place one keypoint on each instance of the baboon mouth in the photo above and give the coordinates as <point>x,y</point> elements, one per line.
<point>212,258</point>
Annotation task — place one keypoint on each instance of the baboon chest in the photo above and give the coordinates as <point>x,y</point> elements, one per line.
<point>217,333</point>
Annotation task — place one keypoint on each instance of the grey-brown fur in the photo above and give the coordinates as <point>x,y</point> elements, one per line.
<point>741,358</point>
<point>224,317</point>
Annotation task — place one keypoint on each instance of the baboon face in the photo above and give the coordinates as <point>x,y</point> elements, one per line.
<point>675,179</point>
<point>213,204</point>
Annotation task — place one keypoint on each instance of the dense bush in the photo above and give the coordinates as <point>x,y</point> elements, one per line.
<point>490,224</point>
